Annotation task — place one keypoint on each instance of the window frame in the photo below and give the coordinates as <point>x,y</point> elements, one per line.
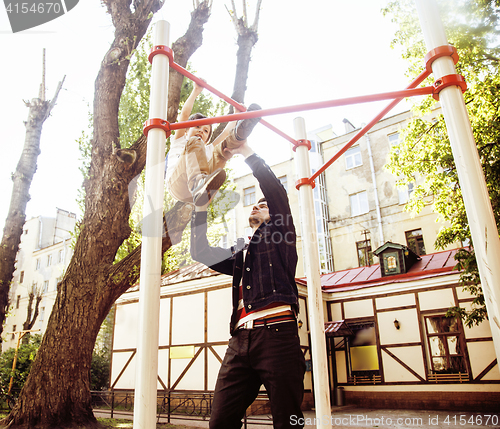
<point>361,212</point>
<point>417,248</point>
<point>367,250</point>
<point>284,182</point>
<point>357,326</point>
<point>251,195</point>
<point>404,193</point>
<point>458,333</point>
<point>352,153</point>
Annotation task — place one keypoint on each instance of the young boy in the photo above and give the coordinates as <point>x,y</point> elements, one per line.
<point>195,166</point>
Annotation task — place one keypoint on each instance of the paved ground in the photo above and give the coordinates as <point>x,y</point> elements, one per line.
<point>362,418</point>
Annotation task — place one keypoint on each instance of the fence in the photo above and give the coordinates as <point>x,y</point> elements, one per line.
<point>185,405</point>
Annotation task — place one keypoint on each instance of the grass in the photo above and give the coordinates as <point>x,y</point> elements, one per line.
<point>128,424</point>
<point>119,423</point>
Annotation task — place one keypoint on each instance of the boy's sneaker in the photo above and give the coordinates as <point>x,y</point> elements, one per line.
<point>244,127</point>
<point>205,186</point>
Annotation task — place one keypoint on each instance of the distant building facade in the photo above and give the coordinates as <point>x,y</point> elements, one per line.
<point>43,256</point>
<point>358,204</point>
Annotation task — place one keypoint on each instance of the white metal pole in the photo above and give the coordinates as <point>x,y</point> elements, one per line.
<point>315,298</point>
<point>152,230</point>
<point>470,173</point>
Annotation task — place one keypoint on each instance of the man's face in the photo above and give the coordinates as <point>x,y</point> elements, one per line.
<point>259,214</point>
<point>203,132</point>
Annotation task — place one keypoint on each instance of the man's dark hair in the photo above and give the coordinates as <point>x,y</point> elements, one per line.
<point>195,116</point>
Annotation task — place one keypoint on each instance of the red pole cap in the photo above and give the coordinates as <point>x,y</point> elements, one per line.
<point>440,51</point>
<point>306,143</point>
<point>161,49</point>
<point>304,181</point>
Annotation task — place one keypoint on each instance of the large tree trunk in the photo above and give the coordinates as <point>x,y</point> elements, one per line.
<point>57,391</point>
<point>39,110</point>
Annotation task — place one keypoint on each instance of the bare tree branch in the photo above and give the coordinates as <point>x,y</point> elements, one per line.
<point>255,24</point>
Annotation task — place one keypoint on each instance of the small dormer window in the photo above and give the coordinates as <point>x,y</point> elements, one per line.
<point>391,265</point>
<point>395,258</point>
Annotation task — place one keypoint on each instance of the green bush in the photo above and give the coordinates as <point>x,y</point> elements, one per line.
<point>99,370</point>
<point>25,357</point>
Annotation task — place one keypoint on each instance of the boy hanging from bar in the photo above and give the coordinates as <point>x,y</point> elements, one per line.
<point>195,167</point>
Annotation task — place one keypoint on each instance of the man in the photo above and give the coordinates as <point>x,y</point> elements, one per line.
<point>264,347</point>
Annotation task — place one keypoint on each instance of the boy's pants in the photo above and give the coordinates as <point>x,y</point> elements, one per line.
<point>194,162</point>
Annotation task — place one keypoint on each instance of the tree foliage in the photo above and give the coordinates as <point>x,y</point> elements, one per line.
<point>424,155</point>
<point>25,356</point>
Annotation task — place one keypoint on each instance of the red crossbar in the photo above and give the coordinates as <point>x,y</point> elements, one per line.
<point>308,106</point>
<point>396,96</point>
<point>419,79</point>
<point>229,100</point>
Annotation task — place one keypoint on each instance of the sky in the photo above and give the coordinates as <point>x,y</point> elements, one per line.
<point>307,52</point>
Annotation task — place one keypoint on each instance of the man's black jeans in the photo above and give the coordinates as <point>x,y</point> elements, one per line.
<point>269,355</point>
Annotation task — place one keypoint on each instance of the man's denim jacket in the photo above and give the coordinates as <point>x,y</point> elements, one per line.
<point>269,267</point>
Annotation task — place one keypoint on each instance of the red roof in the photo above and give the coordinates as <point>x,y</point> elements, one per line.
<point>432,265</point>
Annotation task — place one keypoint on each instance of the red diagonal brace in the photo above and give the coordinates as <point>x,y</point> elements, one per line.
<point>157,123</point>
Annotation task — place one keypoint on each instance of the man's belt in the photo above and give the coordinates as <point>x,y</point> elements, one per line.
<point>267,321</point>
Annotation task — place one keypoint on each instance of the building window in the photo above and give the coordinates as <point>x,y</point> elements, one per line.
<point>353,158</point>
<point>445,344</point>
<point>365,255</point>
<point>61,256</point>
<point>363,354</point>
<point>18,301</point>
<point>359,203</point>
<point>415,241</point>
<point>283,180</point>
<point>38,263</point>
<point>223,241</point>
<point>21,277</point>
<point>393,139</point>
<point>45,286</point>
<point>404,193</point>
<point>249,196</point>
<point>49,260</point>
<point>14,328</point>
